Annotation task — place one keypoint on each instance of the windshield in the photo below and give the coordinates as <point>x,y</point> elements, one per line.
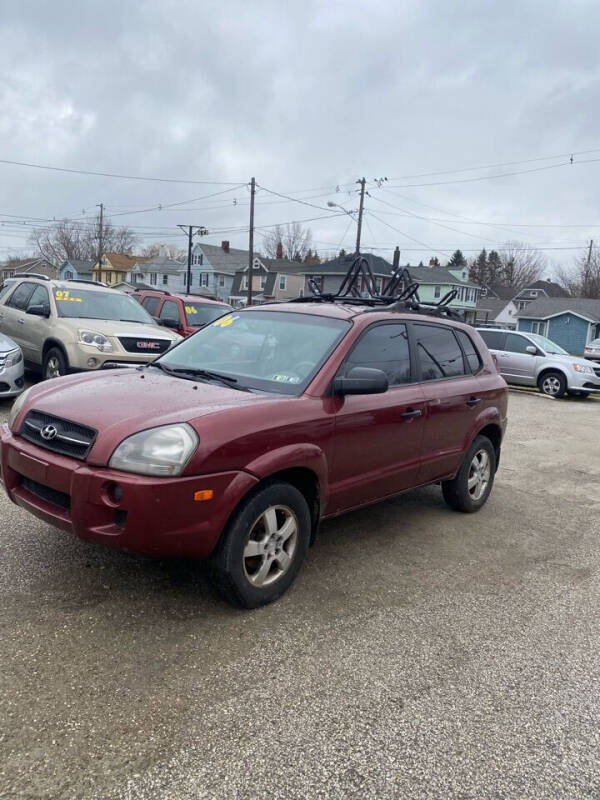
<point>274,351</point>
<point>86,304</point>
<point>550,347</point>
<point>199,314</point>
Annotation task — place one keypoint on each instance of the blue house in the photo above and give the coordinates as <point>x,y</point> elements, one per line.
<point>571,322</point>
<point>75,269</point>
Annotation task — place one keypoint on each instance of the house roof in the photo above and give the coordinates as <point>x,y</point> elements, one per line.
<point>162,264</point>
<point>286,266</point>
<point>123,261</point>
<point>340,266</point>
<point>437,275</point>
<point>552,289</point>
<point>82,266</point>
<point>503,292</point>
<point>220,260</point>
<point>545,307</point>
<point>493,305</point>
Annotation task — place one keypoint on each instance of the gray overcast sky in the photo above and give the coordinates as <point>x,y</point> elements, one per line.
<point>306,96</point>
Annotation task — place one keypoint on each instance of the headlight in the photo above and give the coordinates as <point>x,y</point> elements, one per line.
<point>583,368</point>
<point>97,340</point>
<point>17,406</point>
<point>14,357</point>
<point>158,451</point>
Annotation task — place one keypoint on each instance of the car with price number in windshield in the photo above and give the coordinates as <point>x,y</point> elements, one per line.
<point>72,326</point>
<point>184,313</point>
<point>237,457</point>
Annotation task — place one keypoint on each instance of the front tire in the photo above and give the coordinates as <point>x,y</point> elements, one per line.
<point>263,547</point>
<point>552,384</point>
<point>55,364</point>
<point>471,487</point>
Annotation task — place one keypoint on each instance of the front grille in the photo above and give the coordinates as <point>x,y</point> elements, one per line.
<point>53,496</point>
<point>597,371</point>
<point>144,344</point>
<point>4,387</point>
<point>60,435</point>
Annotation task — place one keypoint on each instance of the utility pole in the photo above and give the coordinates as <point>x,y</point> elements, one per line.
<point>191,230</point>
<point>360,214</point>
<point>100,240</point>
<point>589,258</point>
<point>251,242</point>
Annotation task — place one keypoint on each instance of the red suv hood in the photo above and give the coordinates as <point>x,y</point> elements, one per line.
<point>120,402</point>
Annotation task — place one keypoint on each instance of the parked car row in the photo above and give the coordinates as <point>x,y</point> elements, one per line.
<point>529,359</point>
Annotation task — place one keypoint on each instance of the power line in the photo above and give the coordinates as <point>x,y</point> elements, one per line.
<point>116,175</point>
<point>412,238</point>
<point>161,207</point>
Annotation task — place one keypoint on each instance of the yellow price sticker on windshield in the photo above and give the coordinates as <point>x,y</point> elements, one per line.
<point>191,310</point>
<point>224,322</point>
<point>65,295</point>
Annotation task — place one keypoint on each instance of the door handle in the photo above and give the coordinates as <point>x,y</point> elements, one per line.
<point>414,412</point>
<point>473,401</point>
<point>21,321</point>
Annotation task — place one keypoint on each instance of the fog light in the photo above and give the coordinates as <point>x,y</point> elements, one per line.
<point>115,492</point>
<point>92,362</point>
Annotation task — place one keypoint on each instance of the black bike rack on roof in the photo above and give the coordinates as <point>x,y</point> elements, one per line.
<point>389,299</point>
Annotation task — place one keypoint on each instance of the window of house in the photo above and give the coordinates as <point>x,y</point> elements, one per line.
<point>68,275</point>
<point>470,351</point>
<point>221,280</point>
<point>437,291</point>
<point>383,347</point>
<point>151,304</point>
<point>438,352</point>
<point>153,279</point>
<point>204,279</point>
<point>245,282</point>
<point>283,282</point>
<point>263,281</point>
<point>539,327</point>
<point>165,280</point>
<point>198,259</point>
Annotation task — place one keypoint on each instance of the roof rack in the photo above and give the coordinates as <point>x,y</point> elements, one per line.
<point>400,293</point>
<point>30,275</point>
<point>83,280</point>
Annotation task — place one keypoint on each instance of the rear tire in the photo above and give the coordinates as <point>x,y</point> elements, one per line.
<point>552,384</point>
<point>55,364</point>
<point>471,487</point>
<point>263,546</point>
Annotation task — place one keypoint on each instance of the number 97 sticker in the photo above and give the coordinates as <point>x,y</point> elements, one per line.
<point>225,322</point>
<point>65,296</point>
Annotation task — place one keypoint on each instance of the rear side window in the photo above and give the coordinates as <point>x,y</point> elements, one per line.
<point>5,289</point>
<point>516,343</point>
<point>471,354</point>
<point>493,339</point>
<point>39,297</point>
<point>170,311</point>
<point>20,297</point>
<point>151,304</point>
<point>438,352</point>
<point>383,347</point>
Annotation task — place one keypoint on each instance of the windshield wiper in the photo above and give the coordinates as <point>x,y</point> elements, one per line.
<point>192,372</point>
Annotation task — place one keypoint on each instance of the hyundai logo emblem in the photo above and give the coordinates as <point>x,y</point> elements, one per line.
<point>49,432</point>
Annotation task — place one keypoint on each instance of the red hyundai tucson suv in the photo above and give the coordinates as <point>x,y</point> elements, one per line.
<point>184,313</point>
<point>210,452</point>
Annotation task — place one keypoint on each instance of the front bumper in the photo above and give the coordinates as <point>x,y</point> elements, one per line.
<point>12,381</point>
<point>584,382</point>
<point>153,516</point>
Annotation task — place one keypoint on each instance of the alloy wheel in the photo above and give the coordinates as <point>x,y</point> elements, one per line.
<point>479,474</point>
<point>53,368</point>
<point>551,385</point>
<point>269,550</point>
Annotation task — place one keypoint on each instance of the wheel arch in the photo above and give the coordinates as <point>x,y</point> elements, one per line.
<point>493,432</point>
<point>50,343</point>
<point>546,370</point>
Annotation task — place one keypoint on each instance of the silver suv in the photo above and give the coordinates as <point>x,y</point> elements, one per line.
<point>532,360</point>
<point>67,326</point>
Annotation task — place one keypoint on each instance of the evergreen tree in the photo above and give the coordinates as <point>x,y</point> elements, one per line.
<point>457,261</point>
<point>434,261</point>
<point>495,269</point>
<point>478,271</point>
<point>342,253</point>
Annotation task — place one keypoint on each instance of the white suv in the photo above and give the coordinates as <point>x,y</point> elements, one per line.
<point>533,360</point>
<point>66,326</point>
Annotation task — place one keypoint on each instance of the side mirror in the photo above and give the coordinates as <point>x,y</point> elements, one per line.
<point>361,380</point>
<point>39,310</point>
<point>531,349</point>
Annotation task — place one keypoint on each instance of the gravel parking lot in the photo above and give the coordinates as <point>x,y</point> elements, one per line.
<point>422,653</point>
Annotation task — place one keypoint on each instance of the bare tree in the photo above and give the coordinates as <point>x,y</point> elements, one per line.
<point>295,241</point>
<point>584,279</point>
<point>71,239</point>
<point>154,249</point>
<point>521,264</point>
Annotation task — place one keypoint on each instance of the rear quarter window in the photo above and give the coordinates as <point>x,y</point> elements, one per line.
<point>493,339</point>
<point>438,352</point>
<point>471,353</point>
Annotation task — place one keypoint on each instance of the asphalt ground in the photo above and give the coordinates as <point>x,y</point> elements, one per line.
<point>422,653</point>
